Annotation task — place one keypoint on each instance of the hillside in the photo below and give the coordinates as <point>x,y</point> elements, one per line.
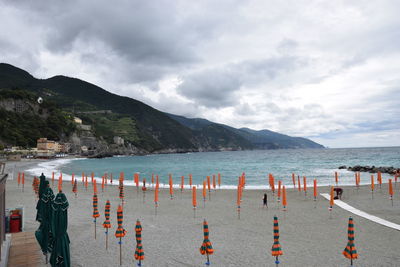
<point>263,139</point>
<point>146,128</point>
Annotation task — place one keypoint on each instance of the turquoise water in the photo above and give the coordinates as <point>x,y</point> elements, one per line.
<point>312,163</point>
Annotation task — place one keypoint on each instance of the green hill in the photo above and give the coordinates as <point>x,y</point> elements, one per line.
<point>141,125</point>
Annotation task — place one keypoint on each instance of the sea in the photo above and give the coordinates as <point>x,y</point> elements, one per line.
<point>320,164</point>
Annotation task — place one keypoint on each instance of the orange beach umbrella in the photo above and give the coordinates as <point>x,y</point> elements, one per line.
<point>276,250</point>
<point>298,183</point>
<point>204,193</point>
<point>350,251</point>
<point>209,187</point>
<point>284,199</point>
<point>190,180</point>
<point>194,201</point>
<point>294,181</point>
<point>121,232</point>
<point>107,223</point>
<point>336,178</point>
<point>152,179</point>
<point>52,179</point>
<point>75,187</point>
<point>214,182</point>
<point>95,212</point>
<point>182,182</point>
<point>139,252</point>
<point>156,197</point>
<point>171,190</point>
<point>279,190</point>
<point>372,186</point>
<point>391,190</point>
<point>206,246</point>
<point>380,179</point>
<point>305,185</point>
<point>23,181</point>
<point>315,190</point>
<point>19,178</point>
<point>72,179</point>
<point>219,180</point>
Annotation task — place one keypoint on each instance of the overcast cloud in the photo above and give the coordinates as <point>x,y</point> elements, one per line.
<point>327,70</point>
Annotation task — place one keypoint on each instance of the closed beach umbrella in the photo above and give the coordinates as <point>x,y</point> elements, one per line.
<point>239,198</point>
<point>121,192</point>
<point>331,202</point>
<point>284,199</point>
<point>52,179</point>
<point>204,193</point>
<point>121,232</point>
<point>102,183</point>
<point>214,182</point>
<point>92,175</point>
<point>35,185</point>
<point>190,180</point>
<point>42,188</point>
<point>380,180</point>
<point>336,178</point>
<point>305,185</point>
<point>156,197</point>
<point>279,190</point>
<point>194,201</point>
<point>391,190</point>
<point>298,183</point>
<point>350,251</point>
<point>19,178</point>
<point>60,256</point>
<point>206,246</point>
<point>272,183</point>
<point>72,179</point>
<point>83,177</point>
<point>315,190</point>
<point>75,187</point>
<point>60,183</point>
<point>94,186</point>
<point>182,182</point>
<point>23,181</point>
<point>139,252</point>
<point>372,186</point>
<point>43,233</point>
<point>95,212</point>
<point>171,190</point>
<point>294,181</point>
<point>144,188</point>
<point>276,250</point>
<point>86,183</point>
<point>209,187</point>
<point>219,180</point>
<point>152,179</point>
<point>107,223</point>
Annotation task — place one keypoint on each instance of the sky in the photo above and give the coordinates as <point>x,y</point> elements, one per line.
<point>325,70</point>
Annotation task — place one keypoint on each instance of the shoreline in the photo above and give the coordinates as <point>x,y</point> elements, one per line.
<point>173,237</point>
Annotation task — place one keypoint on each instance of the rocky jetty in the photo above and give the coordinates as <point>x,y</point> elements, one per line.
<point>371,169</point>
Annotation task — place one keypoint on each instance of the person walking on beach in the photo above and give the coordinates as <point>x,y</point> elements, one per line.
<point>265,200</point>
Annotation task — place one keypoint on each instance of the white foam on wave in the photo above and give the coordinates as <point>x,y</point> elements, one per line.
<point>48,167</point>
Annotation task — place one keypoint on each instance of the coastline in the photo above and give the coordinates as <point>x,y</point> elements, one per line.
<point>173,237</point>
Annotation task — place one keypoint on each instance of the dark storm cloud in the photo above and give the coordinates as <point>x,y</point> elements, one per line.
<point>218,87</point>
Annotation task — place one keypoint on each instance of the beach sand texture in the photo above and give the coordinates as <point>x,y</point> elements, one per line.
<point>173,238</point>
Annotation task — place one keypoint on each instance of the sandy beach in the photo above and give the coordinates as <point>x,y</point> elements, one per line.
<point>173,238</point>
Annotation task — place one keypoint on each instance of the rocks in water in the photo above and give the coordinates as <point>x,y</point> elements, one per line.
<point>342,167</point>
<point>372,169</point>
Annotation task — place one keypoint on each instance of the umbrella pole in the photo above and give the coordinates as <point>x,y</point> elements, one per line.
<point>391,199</point>
<point>107,239</point>
<point>315,202</point>
<point>155,209</point>
<point>209,195</point>
<point>276,261</point>
<point>194,212</point>
<point>204,202</point>
<point>208,260</point>
<point>238,213</point>
<point>47,260</point>
<point>351,262</point>
<point>94,228</point>
<point>120,251</point>
<point>144,195</point>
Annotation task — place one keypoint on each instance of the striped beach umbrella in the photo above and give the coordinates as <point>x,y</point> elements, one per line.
<point>121,232</point>
<point>276,250</point>
<point>107,223</point>
<point>139,252</point>
<point>206,246</point>
<point>95,212</point>
<point>75,187</point>
<point>350,251</point>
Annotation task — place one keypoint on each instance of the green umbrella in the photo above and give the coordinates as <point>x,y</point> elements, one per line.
<point>43,233</point>
<point>60,256</point>
<point>42,188</point>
